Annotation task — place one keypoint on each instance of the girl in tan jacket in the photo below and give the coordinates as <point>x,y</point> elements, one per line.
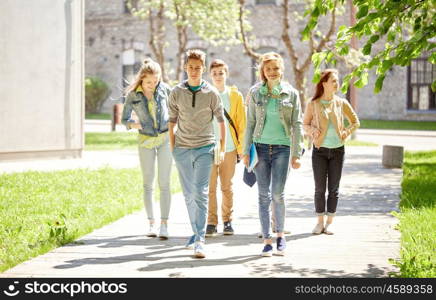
<point>324,123</point>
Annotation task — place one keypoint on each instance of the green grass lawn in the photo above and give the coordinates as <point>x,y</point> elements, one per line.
<point>98,116</point>
<point>403,125</point>
<point>110,140</point>
<point>43,210</point>
<point>349,142</point>
<point>127,141</point>
<point>418,216</point>
<point>360,143</point>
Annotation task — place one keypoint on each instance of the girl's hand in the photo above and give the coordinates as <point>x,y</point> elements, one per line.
<point>246,159</point>
<point>136,125</point>
<point>315,133</point>
<point>344,135</point>
<point>295,163</point>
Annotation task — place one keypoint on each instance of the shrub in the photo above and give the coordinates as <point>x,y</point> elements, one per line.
<point>96,91</point>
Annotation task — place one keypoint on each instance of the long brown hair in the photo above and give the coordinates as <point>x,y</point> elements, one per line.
<point>325,75</point>
<point>149,66</point>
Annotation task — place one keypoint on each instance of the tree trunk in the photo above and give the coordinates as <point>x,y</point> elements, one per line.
<point>248,48</point>
<point>301,88</point>
<point>182,39</point>
<point>157,35</point>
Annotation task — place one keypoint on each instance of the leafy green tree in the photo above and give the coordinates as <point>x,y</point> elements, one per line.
<point>214,21</point>
<point>393,32</point>
<point>96,92</point>
<point>293,18</point>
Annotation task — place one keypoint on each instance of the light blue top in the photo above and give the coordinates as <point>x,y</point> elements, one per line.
<point>331,139</point>
<point>273,132</point>
<point>225,98</point>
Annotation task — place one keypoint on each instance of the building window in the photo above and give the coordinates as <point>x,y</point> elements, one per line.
<point>265,2</point>
<point>254,73</point>
<point>420,74</point>
<point>132,60</point>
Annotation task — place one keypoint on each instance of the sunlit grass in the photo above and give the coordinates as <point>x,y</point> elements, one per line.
<point>43,210</point>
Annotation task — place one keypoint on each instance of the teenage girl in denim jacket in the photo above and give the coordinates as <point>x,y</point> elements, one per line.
<point>274,125</point>
<point>147,96</point>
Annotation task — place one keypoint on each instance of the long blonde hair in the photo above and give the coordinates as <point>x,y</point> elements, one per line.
<point>267,57</point>
<point>148,66</point>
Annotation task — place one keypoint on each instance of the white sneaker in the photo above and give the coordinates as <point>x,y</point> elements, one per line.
<point>329,228</point>
<point>163,232</point>
<point>319,228</point>
<point>151,231</point>
<point>199,250</point>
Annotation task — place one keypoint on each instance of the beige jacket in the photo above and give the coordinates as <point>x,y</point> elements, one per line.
<point>316,118</point>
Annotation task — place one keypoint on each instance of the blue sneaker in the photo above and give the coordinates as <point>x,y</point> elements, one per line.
<point>190,243</point>
<point>267,250</point>
<point>281,246</point>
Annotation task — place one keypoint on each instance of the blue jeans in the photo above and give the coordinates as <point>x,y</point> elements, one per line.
<point>271,174</point>
<point>194,166</point>
<point>147,159</point>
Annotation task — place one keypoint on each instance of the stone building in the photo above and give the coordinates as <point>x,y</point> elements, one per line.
<point>116,42</point>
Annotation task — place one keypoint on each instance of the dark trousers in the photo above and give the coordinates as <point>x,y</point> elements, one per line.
<point>327,167</point>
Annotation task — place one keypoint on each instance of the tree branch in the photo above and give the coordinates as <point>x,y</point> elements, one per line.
<point>327,37</point>
<point>248,48</point>
<point>286,38</point>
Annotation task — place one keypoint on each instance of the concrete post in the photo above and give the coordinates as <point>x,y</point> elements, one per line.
<point>116,115</point>
<point>392,156</point>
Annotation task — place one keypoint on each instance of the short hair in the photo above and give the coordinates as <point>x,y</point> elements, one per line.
<point>267,57</point>
<point>216,63</point>
<point>195,54</point>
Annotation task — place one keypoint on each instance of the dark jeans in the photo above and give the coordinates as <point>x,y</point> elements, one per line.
<point>327,166</point>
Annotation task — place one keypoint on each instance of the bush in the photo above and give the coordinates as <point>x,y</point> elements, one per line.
<point>96,91</point>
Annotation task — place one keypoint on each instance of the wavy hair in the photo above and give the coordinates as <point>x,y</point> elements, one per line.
<point>267,57</point>
<point>148,66</point>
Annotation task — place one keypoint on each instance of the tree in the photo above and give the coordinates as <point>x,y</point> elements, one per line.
<point>96,92</point>
<point>214,21</point>
<point>317,41</point>
<point>406,27</point>
<point>309,33</point>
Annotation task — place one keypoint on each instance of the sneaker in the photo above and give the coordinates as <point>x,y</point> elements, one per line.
<point>267,250</point>
<point>199,250</point>
<point>190,243</point>
<point>281,246</point>
<point>228,229</point>
<point>151,231</point>
<point>319,228</point>
<point>163,232</point>
<point>211,230</point>
<point>328,229</point>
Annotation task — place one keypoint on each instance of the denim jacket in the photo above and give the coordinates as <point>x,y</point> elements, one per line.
<point>137,102</point>
<point>289,111</point>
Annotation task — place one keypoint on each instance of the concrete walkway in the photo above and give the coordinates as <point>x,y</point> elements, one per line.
<point>365,237</point>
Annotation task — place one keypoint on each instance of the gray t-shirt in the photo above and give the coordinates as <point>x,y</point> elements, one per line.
<point>193,112</point>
